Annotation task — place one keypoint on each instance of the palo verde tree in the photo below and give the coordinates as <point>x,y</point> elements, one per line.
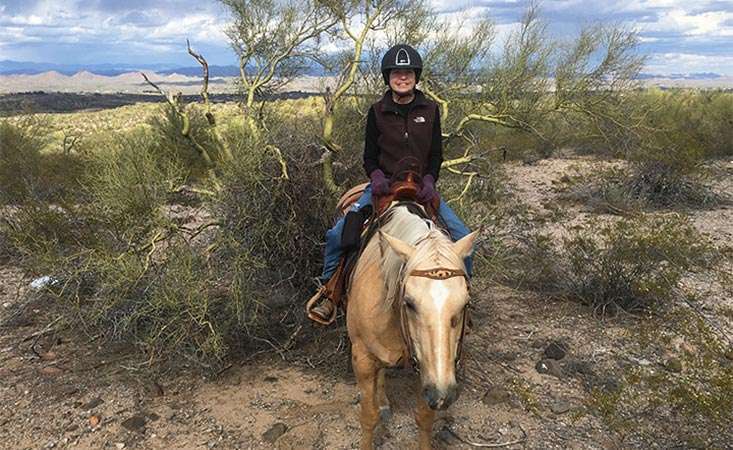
<point>355,22</point>
<point>530,80</point>
<point>273,39</point>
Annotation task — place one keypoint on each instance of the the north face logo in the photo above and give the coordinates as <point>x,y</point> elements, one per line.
<point>402,59</point>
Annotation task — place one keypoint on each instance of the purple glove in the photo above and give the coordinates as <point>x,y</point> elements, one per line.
<point>427,192</point>
<point>380,184</point>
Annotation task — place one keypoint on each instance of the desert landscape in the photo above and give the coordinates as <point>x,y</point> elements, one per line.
<point>163,223</point>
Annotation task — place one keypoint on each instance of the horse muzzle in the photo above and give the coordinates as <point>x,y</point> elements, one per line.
<point>440,398</point>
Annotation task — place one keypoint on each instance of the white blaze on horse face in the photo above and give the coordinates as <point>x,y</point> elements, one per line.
<point>435,338</point>
<point>439,296</point>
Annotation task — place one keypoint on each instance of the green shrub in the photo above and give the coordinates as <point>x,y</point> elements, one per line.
<point>28,170</point>
<point>631,264</point>
<point>127,185</point>
<point>20,161</point>
<point>169,144</point>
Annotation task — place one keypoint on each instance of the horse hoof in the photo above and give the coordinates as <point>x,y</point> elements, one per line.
<point>385,413</point>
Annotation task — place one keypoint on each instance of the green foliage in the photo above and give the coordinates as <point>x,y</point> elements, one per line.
<point>20,157</point>
<point>169,144</point>
<point>271,225</point>
<point>27,171</point>
<point>631,264</point>
<point>127,184</point>
<point>648,184</point>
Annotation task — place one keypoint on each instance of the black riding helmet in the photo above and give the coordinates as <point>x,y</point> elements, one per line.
<point>401,56</point>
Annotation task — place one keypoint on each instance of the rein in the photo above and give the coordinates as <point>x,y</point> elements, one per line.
<point>437,273</point>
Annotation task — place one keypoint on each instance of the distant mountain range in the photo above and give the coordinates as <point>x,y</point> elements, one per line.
<point>8,67</point>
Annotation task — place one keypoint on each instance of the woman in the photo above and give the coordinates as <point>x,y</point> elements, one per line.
<point>403,126</point>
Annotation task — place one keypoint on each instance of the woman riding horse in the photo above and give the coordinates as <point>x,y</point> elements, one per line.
<point>403,124</point>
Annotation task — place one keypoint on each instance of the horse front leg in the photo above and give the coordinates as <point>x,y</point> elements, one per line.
<point>366,370</point>
<point>424,416</point>
<point>385,411</point>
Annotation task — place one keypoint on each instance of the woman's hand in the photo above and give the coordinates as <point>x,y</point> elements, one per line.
<point>427,192</point>
<point>380,184</point>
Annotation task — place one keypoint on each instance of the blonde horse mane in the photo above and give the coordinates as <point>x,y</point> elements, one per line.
<point>434,248</point>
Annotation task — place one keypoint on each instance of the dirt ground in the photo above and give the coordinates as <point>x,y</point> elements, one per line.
<point>67,391</point>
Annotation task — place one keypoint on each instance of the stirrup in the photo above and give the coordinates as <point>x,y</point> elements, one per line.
<point>321,293</point>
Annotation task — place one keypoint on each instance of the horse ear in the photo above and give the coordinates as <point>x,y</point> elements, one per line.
<point>464,246</point>
<point>403,249</point>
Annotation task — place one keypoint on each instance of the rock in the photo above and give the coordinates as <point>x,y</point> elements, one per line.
<point>496,395</point>
<point>583,368</point>
<point>153,417</point>
<point>94,421</point>
<point>48,356</point>
<point>93,403</point>
<point>154,388</point>
<point>234,380</point>
<point>42,282</point>
<point>549,367</point>
<point>135,423</point>
<point>275,432</point>
<point>560,406</point>
<point>270,379</point>
<point>167,412</point>
<point>609,384</point>
<point>119,445</point>
<point>51,371</point>
<point>673,365</point>
<point>555,350</point>
<point>446,436</point>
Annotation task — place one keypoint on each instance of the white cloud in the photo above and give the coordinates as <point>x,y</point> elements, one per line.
<point>689,63</point>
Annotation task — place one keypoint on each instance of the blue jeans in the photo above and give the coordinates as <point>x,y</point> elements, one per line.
<point>456,228</point>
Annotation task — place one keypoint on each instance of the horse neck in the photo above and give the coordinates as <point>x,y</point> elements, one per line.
<point>409,228</point>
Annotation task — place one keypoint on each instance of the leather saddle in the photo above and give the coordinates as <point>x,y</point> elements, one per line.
<point>360,227</point>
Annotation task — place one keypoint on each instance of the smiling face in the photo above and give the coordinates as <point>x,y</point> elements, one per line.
<point>402,81</point>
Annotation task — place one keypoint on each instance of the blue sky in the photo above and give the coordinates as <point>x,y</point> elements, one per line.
<point>678,36</point>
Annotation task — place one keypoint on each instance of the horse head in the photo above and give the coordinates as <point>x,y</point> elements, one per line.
<point>433,298</point>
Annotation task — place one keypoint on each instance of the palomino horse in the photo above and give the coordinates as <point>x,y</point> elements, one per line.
<point>407,299</point>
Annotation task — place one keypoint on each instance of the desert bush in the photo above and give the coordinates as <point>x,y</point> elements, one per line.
<point>171,145</point>
<point>279,222</point>
<point>644,185</point>
<point>28,170</point>
<point>127,185</point>
<point>631,264</point>
<point>20,157</point>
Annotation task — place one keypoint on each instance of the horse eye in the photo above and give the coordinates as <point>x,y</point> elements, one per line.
<point>410,304</point>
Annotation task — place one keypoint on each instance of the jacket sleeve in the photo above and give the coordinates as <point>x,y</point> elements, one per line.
<point>371,149</point>
<point>436,150</point>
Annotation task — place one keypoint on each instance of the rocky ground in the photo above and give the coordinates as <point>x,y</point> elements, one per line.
<point>538,372</point>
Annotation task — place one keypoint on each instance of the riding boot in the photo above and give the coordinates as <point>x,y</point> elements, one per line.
<point>321,308</point>
<point>325,310</point>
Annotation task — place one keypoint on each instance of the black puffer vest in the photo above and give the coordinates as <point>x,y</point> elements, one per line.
<point>405,142</point>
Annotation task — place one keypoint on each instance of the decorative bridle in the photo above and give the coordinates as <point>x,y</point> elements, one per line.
<point>437,273</point>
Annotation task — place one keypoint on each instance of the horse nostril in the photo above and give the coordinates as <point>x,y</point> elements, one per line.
<point>438,399</point>
<point>431,396</point>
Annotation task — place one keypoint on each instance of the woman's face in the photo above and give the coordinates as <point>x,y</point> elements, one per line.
<point>402,81</point>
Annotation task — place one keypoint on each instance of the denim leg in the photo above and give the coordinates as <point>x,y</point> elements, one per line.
<point>457,229</point>
<point>333,249</point>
